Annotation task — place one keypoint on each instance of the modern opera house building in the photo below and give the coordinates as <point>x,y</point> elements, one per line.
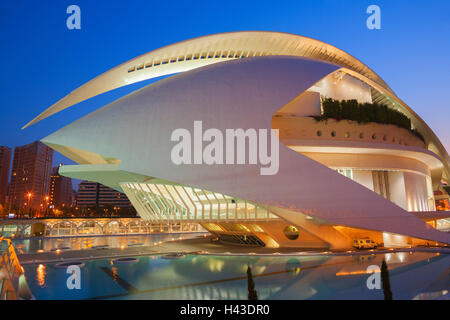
<point>354,160</point>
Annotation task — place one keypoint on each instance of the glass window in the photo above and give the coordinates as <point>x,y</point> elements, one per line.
<point>346,172</point>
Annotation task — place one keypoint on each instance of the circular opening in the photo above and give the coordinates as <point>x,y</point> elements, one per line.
<point>333,133</point>
<point>126,260</point>
<point>319,133</point>
<point>69,263</point>
<point>347,134</point>
<point>291,232</point>
<point>361,135</point>
<point>293,266</point>
<point>374,136</point>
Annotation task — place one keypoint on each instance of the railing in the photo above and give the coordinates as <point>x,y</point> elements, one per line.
<point>13,285</point>
<point>24,228</point>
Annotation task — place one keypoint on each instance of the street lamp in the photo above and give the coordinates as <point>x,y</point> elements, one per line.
<point>46,206</point>
<point>29,195</point>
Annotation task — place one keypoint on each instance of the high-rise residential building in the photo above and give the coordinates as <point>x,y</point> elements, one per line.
<point>30,177</point>
<point>60,189</point>
<point>5,163</point>
<point>94,194</point>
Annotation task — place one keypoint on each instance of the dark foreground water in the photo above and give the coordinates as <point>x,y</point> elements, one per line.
<point>412,276</point>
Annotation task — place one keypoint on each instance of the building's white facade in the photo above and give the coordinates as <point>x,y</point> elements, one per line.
<point>337,180</point>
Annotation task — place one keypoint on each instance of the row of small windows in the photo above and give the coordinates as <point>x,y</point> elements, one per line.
<point>361,136</point>
<point>217,55</point>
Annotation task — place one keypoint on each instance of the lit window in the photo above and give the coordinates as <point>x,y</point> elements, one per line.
<point>346,172</point>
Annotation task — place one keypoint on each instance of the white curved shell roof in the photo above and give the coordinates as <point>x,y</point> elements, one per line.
<point>198,52</point>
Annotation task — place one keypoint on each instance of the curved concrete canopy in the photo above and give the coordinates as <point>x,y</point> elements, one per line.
<point>432,161</point>
<point>217,48</point>
<point>238,94</point>
<point>198,52</point>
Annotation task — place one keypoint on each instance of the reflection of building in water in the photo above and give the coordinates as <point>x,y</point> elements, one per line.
<point>203,277</point>
<point>315,277</point>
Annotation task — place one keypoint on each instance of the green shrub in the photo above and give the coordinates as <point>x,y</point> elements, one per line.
<point>364,113</point>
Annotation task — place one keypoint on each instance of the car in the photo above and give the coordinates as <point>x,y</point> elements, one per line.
<point>364,243</point>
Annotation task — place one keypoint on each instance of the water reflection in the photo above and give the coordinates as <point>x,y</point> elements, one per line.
<point>40,275</point>
<point>83,243</point>
<point>412,276</point>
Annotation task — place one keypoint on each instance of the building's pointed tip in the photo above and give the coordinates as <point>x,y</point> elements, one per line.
<point>30,123</point>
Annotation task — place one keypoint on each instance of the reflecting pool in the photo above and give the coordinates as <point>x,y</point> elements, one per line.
<point>81,243</point>
<point>416,275</point>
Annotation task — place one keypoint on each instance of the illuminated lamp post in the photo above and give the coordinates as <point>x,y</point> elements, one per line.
<point>46,206</point>
<point>29,195</point>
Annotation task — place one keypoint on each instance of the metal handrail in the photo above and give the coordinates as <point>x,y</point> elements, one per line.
<point>13,271</point>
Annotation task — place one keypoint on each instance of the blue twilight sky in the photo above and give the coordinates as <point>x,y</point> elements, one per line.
<point>42,61</point>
